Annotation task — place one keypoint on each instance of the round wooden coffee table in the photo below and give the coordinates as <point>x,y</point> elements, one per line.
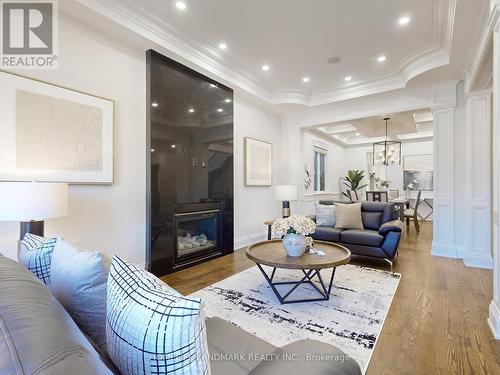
<point>272,254</point>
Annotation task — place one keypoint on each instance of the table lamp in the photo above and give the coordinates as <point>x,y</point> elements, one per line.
<point>286,193</point>
<point>31,203</point>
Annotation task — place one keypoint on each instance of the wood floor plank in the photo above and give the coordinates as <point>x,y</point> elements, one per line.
<point>437,320</point>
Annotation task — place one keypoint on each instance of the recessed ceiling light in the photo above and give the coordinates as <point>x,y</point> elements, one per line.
<point>358,134</point>
<point>381,58</point>
<point>191,110</point>
<point>228,100</point>
<point>173,146</point>
<point>404,20</point>
<point>306,79</point>
<point>222,46</point>
<point>220,110</point>
<point>334,60</point>
<point>152,150</point>
<point>212,85</point>
<point>265,68</point>
<point>180,5</point>
<point>154,105</point>
<point>348,78</point>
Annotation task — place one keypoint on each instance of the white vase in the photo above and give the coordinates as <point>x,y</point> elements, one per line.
<point>294,244</point>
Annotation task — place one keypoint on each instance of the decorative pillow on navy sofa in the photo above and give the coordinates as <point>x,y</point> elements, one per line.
<point>149,329</point>
<point>325,215</point>
<point>36,255</point>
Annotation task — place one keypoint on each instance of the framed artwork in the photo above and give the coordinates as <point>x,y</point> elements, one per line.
<point>258,162</point>
<point>51,133</point>
<point>418,172</point>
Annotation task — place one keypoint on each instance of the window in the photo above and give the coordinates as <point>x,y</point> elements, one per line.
<point>319,169</point>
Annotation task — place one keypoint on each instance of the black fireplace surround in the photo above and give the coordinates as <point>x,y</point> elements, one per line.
<point>190,166</point>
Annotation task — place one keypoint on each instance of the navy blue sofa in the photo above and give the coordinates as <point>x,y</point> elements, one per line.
<point>379,238</point>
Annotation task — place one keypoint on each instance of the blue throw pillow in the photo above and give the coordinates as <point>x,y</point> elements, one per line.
<point>36,255</point>
<point>78,280</point>
<point>325,215</point>
<point>149,329</point>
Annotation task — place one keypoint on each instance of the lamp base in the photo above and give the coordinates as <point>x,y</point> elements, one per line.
<point>285,211</point>
<point>33,227</point>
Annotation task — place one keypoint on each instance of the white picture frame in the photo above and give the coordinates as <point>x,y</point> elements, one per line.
<point>258,162</point>
<point>54,134</point>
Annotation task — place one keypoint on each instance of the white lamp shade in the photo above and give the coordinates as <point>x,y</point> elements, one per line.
<point>26,201</point>
<point>286,192</point>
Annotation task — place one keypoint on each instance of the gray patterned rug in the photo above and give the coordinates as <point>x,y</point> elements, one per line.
<point>351,320</point>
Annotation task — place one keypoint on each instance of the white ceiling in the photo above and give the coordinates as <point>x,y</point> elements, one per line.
<point>401,126</point>
<point>296,37</point>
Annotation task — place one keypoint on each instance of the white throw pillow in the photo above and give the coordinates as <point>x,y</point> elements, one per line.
<point>36,255</point>
<point>79,282</point>
<point>348,216</point>
<point>151,330</point>
<point>325,215</point>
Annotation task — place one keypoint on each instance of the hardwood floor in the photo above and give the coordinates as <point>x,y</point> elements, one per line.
<point>437,321</point>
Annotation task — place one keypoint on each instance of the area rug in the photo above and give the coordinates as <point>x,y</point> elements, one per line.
<point>351,320</point>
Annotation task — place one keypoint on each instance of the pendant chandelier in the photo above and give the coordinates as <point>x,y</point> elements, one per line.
<point>387,152</point>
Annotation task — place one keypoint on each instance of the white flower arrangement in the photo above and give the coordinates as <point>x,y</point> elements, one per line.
<point>295,224</point>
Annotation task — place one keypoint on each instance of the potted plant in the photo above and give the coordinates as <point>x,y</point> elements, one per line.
<point>294,230</point>
<point>353,182</point>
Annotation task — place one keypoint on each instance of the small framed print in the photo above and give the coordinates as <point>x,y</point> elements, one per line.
<point>258,162</point>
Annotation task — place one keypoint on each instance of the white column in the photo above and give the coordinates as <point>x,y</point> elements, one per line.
<point>478,154</point>
<point>494,313</point>
<point>443,243</point>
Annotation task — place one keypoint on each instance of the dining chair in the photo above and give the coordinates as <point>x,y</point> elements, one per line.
<point>412,213</point>
<point>377,196</point>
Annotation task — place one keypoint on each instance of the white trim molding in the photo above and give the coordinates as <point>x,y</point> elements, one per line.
<point>478,178</point>
<point>193,49</point>
<point>494,319</point>
<point>494,315</point>
<point>249,239</point>
<point>443,243</point>
<point>481,71</point>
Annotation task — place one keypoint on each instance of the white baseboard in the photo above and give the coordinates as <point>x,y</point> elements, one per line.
<point>494,320</point>
<point>460,252</point>
<point>484,261</point>
<point>249,239</point>
<point>444,250</point>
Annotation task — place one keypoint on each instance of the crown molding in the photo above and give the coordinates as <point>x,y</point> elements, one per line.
<point>428,59</point>
<point>183,46</point>
<point>481,71</point>
<point>197,53</point>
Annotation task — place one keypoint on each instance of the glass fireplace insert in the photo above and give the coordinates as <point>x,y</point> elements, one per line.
<point>197,234</point>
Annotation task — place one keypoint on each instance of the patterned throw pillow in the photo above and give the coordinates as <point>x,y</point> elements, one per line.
<point>36,255</point>
<point>149,329</point>
<point>325,215</point>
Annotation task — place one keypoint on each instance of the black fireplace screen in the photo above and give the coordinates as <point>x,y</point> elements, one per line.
<point>196,233</point>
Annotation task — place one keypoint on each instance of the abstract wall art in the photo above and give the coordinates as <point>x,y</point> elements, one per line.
<point>50,133</point>
<point>258,162</point>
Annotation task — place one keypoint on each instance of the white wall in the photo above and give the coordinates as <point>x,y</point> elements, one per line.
<point>112,218</point>
<point>253,204</point>
<point>108,218</point>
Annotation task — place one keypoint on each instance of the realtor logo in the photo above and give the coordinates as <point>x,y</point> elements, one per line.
<point>29,38</point>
